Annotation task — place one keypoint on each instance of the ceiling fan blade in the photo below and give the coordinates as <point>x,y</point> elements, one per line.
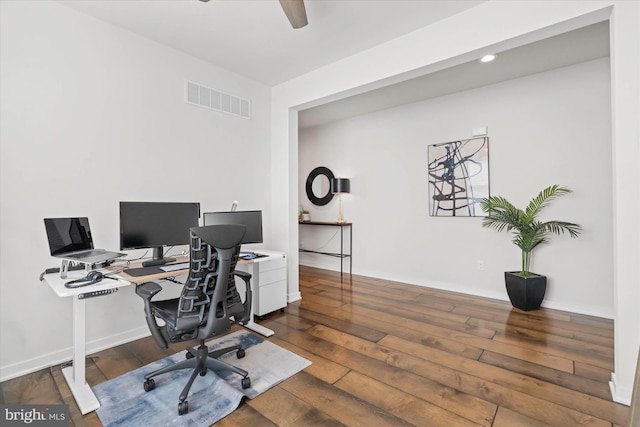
<point>295,11</point>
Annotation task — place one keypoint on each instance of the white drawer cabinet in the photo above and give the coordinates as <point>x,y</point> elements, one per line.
<point>268,282</point>
<point>272,286</point>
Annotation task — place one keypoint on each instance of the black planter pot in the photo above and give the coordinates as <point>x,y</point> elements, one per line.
<point>525,293</point>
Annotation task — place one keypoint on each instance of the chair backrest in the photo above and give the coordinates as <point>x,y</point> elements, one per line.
<point>209,294</point>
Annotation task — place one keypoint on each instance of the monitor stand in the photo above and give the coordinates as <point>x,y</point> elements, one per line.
<point>158,258</point>
<point>152,262</point>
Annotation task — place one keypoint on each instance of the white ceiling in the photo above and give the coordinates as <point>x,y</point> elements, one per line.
<point>254,38</point>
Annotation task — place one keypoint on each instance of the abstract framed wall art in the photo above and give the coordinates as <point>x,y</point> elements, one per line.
<point>458,177</point>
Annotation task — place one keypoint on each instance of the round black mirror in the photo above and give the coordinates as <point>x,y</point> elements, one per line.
<point>319,186</point>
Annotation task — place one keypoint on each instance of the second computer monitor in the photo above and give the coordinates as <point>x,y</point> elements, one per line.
<point>156,225</point>
<point>250,219</point>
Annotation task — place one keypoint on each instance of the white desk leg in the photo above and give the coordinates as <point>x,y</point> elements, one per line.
<point>75,375</point>
<point>255,284</point>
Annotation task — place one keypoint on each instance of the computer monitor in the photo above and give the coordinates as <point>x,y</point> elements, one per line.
<point>250,219</point>
<point>155,225</point>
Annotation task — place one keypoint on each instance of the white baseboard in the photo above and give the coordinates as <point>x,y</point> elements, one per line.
<point>470,290</point>
<point>294,296</point>
<point>57,357</point>
<point>619,394</point>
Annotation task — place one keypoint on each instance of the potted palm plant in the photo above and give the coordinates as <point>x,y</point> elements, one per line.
<point>526,289</point>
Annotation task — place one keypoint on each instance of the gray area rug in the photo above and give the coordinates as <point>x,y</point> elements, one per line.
<point>123,401</point>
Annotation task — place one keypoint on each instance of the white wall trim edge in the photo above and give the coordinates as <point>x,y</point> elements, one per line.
<point>50,359</point>
<point>293,297</point>
<point>619,394</point>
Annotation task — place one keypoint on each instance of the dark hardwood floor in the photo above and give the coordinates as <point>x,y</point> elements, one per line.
<point>390,354</point>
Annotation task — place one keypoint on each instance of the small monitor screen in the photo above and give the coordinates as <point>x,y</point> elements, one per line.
<point>68,235</point>
<point>156,224</point>
<point>250,219</point>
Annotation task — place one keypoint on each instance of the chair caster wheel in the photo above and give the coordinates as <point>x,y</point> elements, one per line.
<point>188,355</point>
<point>149,384</point>
<point>246,382</point>
<point>240,353</point>
<point>183,407</point>
<point>203,373</point>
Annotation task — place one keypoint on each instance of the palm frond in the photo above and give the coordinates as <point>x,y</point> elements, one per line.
<point>544,198</point>
<point>502,214</point>
<point>559,227</point>
<point>528,232</point>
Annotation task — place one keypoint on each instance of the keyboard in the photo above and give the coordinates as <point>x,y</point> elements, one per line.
<point>174,267</point>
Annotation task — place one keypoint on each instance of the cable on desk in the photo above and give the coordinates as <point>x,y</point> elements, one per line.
<point>167,254</point>
<point>57,270</point>
<point>139,258</point>
<point>172,279</point>
<point>127,261</point>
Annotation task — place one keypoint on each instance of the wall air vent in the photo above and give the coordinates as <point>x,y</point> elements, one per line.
<point>213,99</point>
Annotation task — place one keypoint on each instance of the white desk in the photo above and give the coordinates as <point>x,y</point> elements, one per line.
<point>75,374</point>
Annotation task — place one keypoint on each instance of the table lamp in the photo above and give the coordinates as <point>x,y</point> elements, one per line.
<point>340,186</point>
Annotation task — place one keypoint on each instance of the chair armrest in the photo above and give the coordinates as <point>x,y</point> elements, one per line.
<point>147,290</point>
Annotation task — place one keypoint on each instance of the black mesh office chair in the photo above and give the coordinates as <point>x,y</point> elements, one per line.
<point>208,306</point>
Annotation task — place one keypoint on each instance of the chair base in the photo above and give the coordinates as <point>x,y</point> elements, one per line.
<point>200,360</point>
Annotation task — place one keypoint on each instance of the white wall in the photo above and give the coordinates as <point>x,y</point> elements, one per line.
<point>544,129</point>
<point>93,115</point>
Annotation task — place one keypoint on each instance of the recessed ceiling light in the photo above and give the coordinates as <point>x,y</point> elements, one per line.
<point>487,58</point>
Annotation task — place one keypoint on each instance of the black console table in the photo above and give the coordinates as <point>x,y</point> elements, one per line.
<point>340,255</point>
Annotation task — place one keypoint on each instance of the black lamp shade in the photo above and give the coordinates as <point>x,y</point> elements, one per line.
<point>340,185</point>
